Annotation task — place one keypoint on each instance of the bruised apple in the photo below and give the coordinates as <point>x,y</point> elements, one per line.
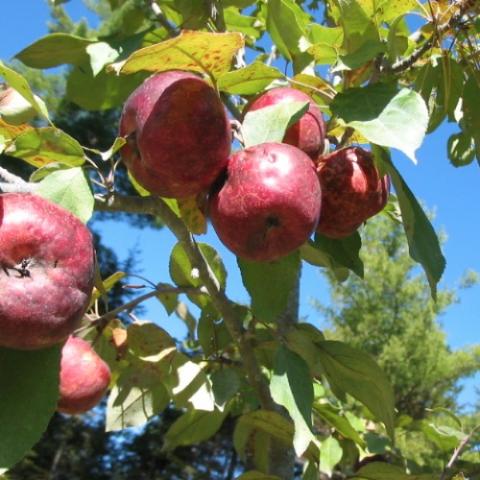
<point>84,377</point>
<point>46,271</point>
<point>178,134</point>
<point>269,203</point>
<point>352,191</point>
<point>308,133</point>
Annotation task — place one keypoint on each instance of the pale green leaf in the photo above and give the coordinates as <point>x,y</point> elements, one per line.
<point>101,54</point>
<point>330,454</point>
<point>70,189</point>
<point>54,50</point>
<point>384,117</point>
<point>249,80</point>
<point>355,372</point>
<point>194,426</point>
<point>269,124</point>
<point>17,82</point>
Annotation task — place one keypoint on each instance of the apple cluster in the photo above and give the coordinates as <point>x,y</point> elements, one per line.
<point>46,279</point>
<point>264,201</point>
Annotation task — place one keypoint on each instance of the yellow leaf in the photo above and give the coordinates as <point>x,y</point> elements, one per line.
<point>192,215</point>
<point>204,52</point>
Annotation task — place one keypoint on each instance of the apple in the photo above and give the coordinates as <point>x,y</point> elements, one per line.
<point>352,191</point>
<point>84,377</point>
<point>309,132</point>
<point>46,271</point>
<point>269,203</point>
<point>178,134</point>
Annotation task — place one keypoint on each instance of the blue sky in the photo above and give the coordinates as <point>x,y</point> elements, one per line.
<point>454,194</point>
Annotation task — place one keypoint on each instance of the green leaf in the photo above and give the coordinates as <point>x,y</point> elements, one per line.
<point>315,256</point>
<point>354,372</point>
<point>461,149</point>
<point>357,18</point>
<point>192,427</point>
<point>41,146</point>
<point>384,117</point>
<point>269,422</point>
<point>236,22</point>
<point>269,124</point>
<point>385,471</point>
<point>254,475</point>
<point>440,83</point>
<point>327,43</point>
<point>341,252</point>
<point>444,437</point>
<point>146,340</point>
<point>286,24</point>
<point>196,51</point>
<point>55,49</point>
<point>70,189</point>
<point>28,399</point>
<point>341,424</point>
<point>388,10</point>
<point>184,275</point>
<point>471,112</point>
<point>330,454</point>
<point>100,92</point>
<point>131,404</point>
<point>106,285</point>
<point>291,387</point>
<point>213,336</point>
<point>225,384</point>
<point>249,80</point>
<point>423,243</point>
<point>269,284</point>
<point>168,300</point>
<point>16,81</point>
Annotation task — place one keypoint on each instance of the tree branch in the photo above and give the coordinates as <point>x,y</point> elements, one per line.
<point>157,207</point>
<point>406,63</point>
<point>162,19</point>
<point>456,454</point>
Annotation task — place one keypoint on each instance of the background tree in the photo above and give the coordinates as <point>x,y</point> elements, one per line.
<point>390,314</point>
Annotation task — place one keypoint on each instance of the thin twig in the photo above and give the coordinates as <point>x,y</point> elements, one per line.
<point>100,322</point>
<point>409,61</point>
<point>163,20</point>
<point>456,454</point>
<point>10,177</point>
<point>158,208</point>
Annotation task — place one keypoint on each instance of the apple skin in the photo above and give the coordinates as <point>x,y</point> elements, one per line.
<point>178,134</point>
<point>352,191</point>
<point>84,377</point>
<point>42,303</point>
<point>308,133</point>
<point>269,203</point>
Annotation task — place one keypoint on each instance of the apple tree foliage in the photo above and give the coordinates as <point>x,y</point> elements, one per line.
<point>384,73</point>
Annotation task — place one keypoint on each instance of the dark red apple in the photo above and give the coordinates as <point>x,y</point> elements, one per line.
<point>84,377</point>
<point>309,132</point>
<point>269,203</point>
<point>352,191</point>
<point>46,271</point>
<point>178,134</point>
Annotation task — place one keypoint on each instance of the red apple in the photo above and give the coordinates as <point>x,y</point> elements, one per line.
<point>352,191</point>
<point>269,204</point>
<point>84,377</point>
<point>178,134</point>
<point>309,132</point>
<point>46,271</point>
